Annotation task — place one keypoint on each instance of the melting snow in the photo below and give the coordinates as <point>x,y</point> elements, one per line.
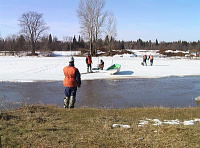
<point>170,122</point>
<point>121,125</point>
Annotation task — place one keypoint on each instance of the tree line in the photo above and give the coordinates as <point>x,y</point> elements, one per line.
<point>98,31</point>
<point>46,43</point>
<point>162,45</point>
<point>49,43</point>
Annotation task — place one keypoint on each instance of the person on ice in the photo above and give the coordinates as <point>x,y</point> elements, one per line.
<point>101,64</point>
<point>144,60</point>
<point>71,81</point>
<point>151,59</point>
<point>89,63</point>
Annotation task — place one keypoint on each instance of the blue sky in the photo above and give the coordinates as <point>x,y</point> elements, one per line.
<point>166,20</point>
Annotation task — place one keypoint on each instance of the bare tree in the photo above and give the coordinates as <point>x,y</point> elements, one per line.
<point>32,26</point>
<point>111,30</point>
<point>92,18</point>
<point>99,22</point>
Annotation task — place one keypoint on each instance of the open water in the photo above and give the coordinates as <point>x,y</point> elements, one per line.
<point>123,93</point>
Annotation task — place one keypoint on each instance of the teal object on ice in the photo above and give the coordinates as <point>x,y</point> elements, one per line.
<point>113,69</point>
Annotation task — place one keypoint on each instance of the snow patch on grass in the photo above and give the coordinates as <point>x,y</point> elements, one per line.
<point>157,122</point>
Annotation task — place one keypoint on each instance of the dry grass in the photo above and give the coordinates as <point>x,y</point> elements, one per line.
<point>49,126</point>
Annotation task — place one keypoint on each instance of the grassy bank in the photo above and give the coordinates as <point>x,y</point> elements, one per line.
<point>49,126</point>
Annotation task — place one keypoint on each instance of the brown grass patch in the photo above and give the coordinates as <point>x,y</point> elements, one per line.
<point>49,126</point>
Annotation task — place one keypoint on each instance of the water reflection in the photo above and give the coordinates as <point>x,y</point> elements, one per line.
<point>166,92</point>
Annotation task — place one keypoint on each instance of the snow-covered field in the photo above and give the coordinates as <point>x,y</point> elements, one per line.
<point>28,69</point>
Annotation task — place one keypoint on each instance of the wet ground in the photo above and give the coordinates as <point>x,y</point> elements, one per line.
<point>124,93</point>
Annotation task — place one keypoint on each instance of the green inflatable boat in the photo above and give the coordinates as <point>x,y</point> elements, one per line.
<point>113,69</point>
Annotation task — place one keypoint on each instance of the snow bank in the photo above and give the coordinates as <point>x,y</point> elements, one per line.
<point>65,53</point>
<point>143,52</point>
<point>177,51</point>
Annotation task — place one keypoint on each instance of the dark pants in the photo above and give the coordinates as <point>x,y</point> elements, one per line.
<point>70,91</point>
<point>145,62</point>
<point>89,66</point>
<point>151,61</point>
<point>70,98</point>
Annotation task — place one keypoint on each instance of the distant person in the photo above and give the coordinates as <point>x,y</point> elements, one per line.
<point>71,82</point>
<point>151,59</point>
<point>89,63</point>
<point>101,65</point>
<point>144,60</point>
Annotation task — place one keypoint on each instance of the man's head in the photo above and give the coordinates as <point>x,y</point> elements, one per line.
<point>71,59</point>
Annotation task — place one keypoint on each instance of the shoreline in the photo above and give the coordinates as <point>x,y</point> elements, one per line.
<point>114,78</point>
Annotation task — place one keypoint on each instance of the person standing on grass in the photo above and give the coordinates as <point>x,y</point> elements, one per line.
<point>71,81</point>
<point>89,63</point>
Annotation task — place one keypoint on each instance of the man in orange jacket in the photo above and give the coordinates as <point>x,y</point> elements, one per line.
<point>71,82</point>
<point>151,59</point>
<point>89,63</point>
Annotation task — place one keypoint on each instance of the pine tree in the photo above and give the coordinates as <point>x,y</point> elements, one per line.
<point>21,42</point>
<point>122,45</point>
<point>50,42</point>
<point>50,39</point>
<point>79,42</point>
<point>156,42</point>
<point>107,40</point>
<point>74,42</point>
<point>140,42</point>
<point>82,43</point>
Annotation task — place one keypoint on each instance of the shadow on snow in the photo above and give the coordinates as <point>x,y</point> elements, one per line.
<point>125,73</point>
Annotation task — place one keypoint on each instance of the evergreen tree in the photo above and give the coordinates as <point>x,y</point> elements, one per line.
<point>74,43</point>
<point>2,44</point>
<point>21,42</point>
<point>50,39</point>
<point>107,40</point>
<point>79,41</point>
<point>150,44</point>
<point>140,42</point>
<point>156,42</point>
<point>50,42</point>
<point>82,44</point>
<point>122,45</point>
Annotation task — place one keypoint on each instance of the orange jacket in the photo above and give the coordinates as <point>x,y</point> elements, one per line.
<point>151,57</point>
<point>70,76</point>
<point>88,59</point>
